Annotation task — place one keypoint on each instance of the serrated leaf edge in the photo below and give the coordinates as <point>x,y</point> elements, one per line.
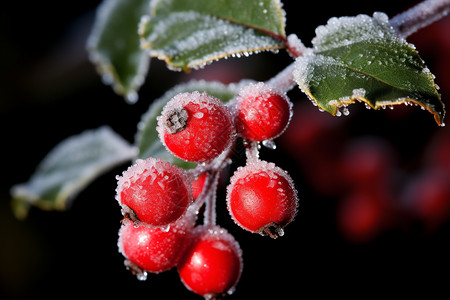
<point>279,8</point>
<point>347,100</point>
<point>199,63</point>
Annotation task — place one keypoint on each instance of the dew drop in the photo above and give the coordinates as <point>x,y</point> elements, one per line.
<point>165,228</point>
<point>198,115</point>
<point>142,276</point>
<point>231,291</point>
<point>345,111</point>
<point>270,144</point>
<point>131,97</point>
<point>107,78</point>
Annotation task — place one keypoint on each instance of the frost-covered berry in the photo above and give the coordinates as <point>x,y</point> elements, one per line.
<point>261,198</point>
<point>154,192</point>
<point>195,126</point>
<point>153,249</point>
<point>262,113</point>
<point>212,264</point>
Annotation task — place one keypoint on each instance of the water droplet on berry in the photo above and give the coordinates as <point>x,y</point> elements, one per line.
<point>198,115</point>
<point>165,228</point>
<point>231,291</point>
<point>142,276</point>
<point>270,144</point>
<point>135,270</point>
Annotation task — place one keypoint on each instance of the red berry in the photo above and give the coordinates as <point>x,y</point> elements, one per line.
<point>198,184</point>
<point>318,137</point>
<point>195,127</point>
<point>437,152</point>
<point>153,249</point>
<point>154,192</point>
<point>262,112</point>
<point>361,215</point>
<point>366,160</point>
<point>261,198</point>
<point>428,196</point>
<point>212,264</point>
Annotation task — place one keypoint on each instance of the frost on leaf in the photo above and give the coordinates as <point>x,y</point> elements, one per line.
<point>190,34</point>
<point>69,168</point>
<point>114,46</point>
<point>362,59</point>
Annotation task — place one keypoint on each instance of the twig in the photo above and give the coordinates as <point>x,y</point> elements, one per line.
<point>406,23</point>
<point>419,16</point>
<point>284,81</point>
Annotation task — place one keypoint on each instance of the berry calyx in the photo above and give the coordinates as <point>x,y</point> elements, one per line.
<point>261,198</point>
<point>262,113</point>
<point>212,264</point>
<point>154,192</point>
<point>153,249</point>
<point>195,126</point>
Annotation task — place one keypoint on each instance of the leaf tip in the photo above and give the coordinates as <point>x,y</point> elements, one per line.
<point>20,208</point>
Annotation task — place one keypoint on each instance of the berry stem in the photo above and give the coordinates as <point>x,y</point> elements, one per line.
<point>283,81</point>
<point>252,151</point>
<point>295,46</point>
<point>209,217</point>
<point>419,16</point>
<point>208,195</point>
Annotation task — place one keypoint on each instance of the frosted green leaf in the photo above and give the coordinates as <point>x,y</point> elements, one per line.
<point>69,168</point>
<point>114,45</point>
<point>189,34</point>
<point>147,140</point>
<point>362,59</point>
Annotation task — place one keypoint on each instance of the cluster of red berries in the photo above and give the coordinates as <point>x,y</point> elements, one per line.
<point>160,201</point>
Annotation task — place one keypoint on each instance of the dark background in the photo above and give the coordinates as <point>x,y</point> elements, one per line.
<point>51,91</point>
